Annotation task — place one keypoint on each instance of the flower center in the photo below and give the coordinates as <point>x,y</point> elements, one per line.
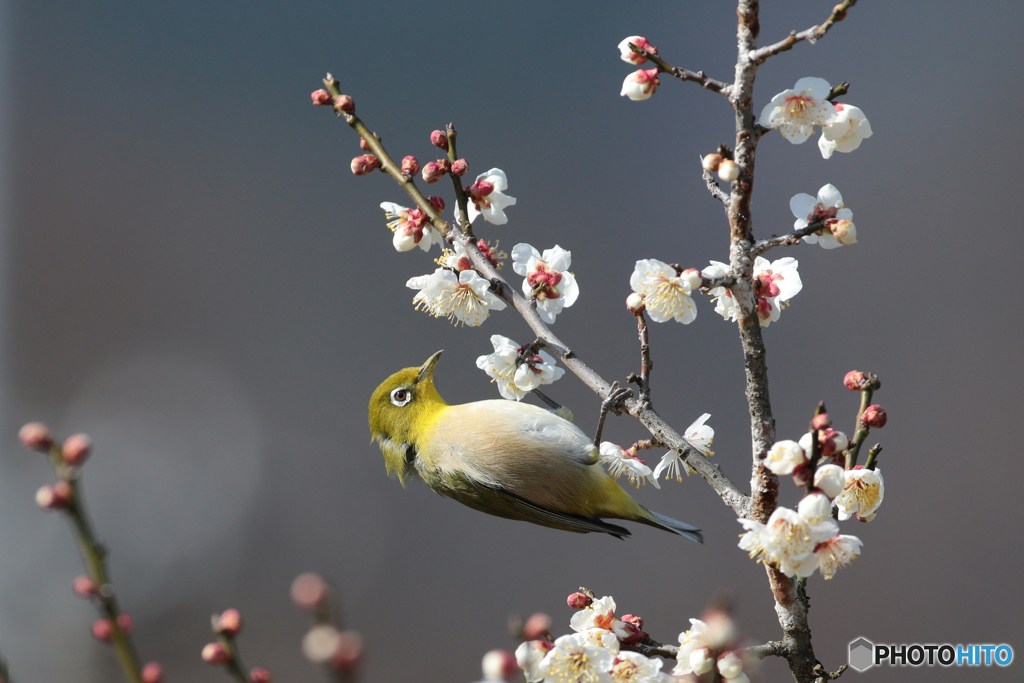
<point>544,282</point>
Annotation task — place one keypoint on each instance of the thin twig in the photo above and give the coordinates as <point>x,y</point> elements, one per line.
<point>460,194</point>
<point>773,648</point>
<point>812,35</point>
<point>715,190</point>
<point>789,240</point>
<point>698,77</point>
<point>652,650</point>
<point>646,364</point>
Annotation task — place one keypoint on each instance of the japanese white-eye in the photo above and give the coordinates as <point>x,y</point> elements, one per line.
<point>501,457</point>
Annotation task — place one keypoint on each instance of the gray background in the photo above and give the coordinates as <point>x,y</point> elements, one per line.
<point>192,275</point>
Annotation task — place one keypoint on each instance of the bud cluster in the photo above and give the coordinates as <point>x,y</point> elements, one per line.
<point>324,643</point>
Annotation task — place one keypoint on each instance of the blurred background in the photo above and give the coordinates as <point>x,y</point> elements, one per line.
<point>190,273</point>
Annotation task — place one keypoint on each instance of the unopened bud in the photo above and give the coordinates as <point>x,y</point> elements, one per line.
<point>693,278</point>
<point>309,590</point>
<point>633,619</point>
<point>362,165</point>
<point>537,626</point>
<point>350,649</point>
<point>364,145</point>
<point>437,203</point>
<point>720,628</point>
<point>874,416</point>
<point>728,170</point>
<point>822,421</point>
<point>730,665</point>
<point>839,12</point>
<point>579,601</point>
<point>76,449</point>
<point>843,230</point>
<point>439,139</point>
<point>635,305</point>
<point>410,166</point>
<point>856,380</point>
<point>54,497</point>
<point>634,634</point>
<point>802,475</point>
<point>230,622</point>
<point>346,104</point>
<point>84,587</point>
<point>125,622</point>
<point>499,665</point>
<point>460,167</point>
<point>103,630</point>
<point>259,675</point>
<point>322,97</point>
<point>711,162</point>
<point>815,508</point>
<point>320,643</point>
<point>631,57</point>
<point>152,673</point>
<point>833,442</point>
<point>701,661</point>
<point>829,479</point>
<point>35,436</point>
<point>214,653</point>
<point>432,172</point>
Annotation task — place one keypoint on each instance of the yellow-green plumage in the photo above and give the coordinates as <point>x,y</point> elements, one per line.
<point>501,457</point>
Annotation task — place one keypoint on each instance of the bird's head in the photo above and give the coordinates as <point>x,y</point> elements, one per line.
<point>402,409</point>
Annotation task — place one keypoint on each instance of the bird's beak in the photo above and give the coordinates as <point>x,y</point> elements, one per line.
<point>427,369</point>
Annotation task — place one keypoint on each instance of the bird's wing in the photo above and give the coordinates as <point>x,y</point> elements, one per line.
<point>498,501</point>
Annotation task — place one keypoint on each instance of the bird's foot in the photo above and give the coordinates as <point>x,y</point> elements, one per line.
<point>614,403</point>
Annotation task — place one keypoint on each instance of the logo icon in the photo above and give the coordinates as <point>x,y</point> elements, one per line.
<point>862,653</point>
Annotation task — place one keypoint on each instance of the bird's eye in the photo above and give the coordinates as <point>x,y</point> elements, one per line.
<point>400,397</point>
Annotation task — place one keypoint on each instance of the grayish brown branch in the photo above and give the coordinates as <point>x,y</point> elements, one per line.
<point>697,77</point>
<point>715,190</point>
<point>789,240</point>
<point>811,35</point>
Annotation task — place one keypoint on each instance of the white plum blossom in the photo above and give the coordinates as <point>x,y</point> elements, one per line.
<point>827,208</point>
<point>486,197</point>
<point>829,479</point>
<point>548,279</point>
<point>862,493</point>
<point>600,637</point>
<point>845,132</point>
<point>795,112</point>
<point>633,667</point>
<point>725,304</point>
<point>631,57</point>
<point>640,84</point>
<point>464,298</point>
<point>689,641</point>
<point>529,655</point>
<point>700,437</point>
<point>624,462</point>
<point>775,283</point>
<point>411,227</point>
<point>701,661</point>
<point>836,552</point>
<point>787,541</point>
<point>832,442</point>
<point>666,293</point>
<point>515,380</point>
<point>815,508</point>
<point>573,660</point>
<point>600,615</point>
<point>784,457</point>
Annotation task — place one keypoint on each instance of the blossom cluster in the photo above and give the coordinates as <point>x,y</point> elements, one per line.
<point>515,371</point>
<point>795,113</point>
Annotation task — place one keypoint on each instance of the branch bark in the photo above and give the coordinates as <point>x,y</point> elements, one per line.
<point>811,35</point>
<point>698,77</point>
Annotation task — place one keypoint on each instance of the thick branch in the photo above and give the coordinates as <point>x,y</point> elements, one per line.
<point>683,74</point>
<point>811,35</point>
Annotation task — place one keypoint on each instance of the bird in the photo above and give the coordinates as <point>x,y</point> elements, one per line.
<point>505,458</point>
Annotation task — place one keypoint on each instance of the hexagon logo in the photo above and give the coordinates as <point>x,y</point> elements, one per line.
<point>862,654</point>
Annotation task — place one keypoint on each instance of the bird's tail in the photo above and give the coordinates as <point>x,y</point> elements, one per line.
<point>668,524</point>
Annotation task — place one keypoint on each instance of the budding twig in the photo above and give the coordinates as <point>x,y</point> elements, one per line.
<point>789,240</point>
<point>646,364</point>
<point>812,35</point>
<point>715,190</point>
<point>698,77</point>
<point>460,194</point>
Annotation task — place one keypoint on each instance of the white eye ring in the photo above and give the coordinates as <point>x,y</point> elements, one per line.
<point>401,396</point>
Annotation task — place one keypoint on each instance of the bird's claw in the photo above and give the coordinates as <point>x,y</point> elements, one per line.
<point>616,401</point>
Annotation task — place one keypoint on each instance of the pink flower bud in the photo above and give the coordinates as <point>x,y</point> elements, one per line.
<point>439,139</point>
<point>350,649</point>
<point>152,673</point>
<point>634,635</point>
<point>635,303</point>
<point>631,57</point>
<point>711,162</point>
<point>103,630</point>
<point>259,675</point>
<point>728,170</point>
<point>538,626</point>
<point>640,85</point>
<point>874,416</point>
<point>363,145</point>
<point>362,165</point>
<point>833,442</point>
<point>55,497</point>
<point>579,601</point>
<point>322,97</point>
<point>76,449</point>
<point>84,587</point>
<point>309,591</point>
<point>346,104</point>
<point>125,622</point>
<point>35,436</point>
<point>693,278</point>
<point>410,166</point>
<point>633,619</point>
<point>802,475</point>
<point>215,654</point>
<point>855,380</point>
<point>499,665</point>
<point>460,167</point>
<point>230,622</point>
<point>437,203</point>
<point>432,172</point>
<point>843,230</point>
<point>822,421</point>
